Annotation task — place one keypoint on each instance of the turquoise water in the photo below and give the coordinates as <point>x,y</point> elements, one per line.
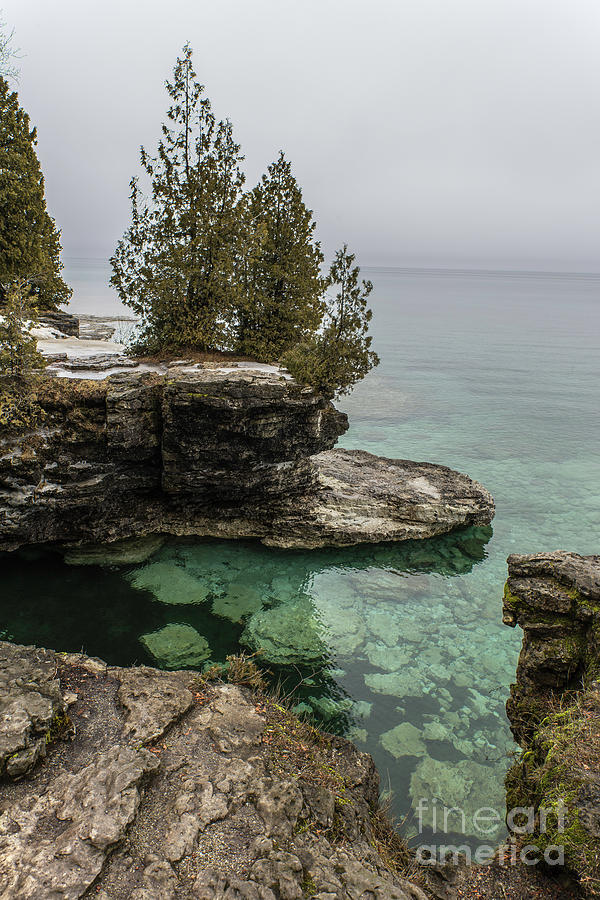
<point>401,647</point>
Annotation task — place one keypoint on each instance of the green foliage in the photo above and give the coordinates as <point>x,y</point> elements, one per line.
<point>556,774</point>
<point>18,349</point>
<point>29,241</point>
<point>208,267</point>
<point>340,355</point>
<point>19,408</point>
<point>176,264</point>
<point>283,288</point>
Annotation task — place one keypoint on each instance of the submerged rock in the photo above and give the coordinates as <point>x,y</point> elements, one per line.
<point>238,603</point>
<point>406,683</point>
<point>389,658</point>
<point>343,628</point>
<point>289,633</point>
<point>403,740</point>
<point>177,646</point>
<point>170,584</point>
<point>466,788</point>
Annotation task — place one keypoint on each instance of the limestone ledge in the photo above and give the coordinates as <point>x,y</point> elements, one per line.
<point>221,451</point>
<point>554,706</point>
<point>162,786</point>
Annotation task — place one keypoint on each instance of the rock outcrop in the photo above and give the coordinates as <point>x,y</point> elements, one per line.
<point>64,322</point>
<point>554,707</point>
<point>169,787</point>
<point>217,452</point>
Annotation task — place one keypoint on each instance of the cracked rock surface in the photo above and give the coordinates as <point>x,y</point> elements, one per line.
<point>31,703</point>
<point>168,787</point>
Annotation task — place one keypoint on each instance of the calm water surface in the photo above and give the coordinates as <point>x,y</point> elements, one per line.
<point>400,647</point>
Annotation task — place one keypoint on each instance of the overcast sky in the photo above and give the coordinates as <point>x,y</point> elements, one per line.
<point>423,132</point>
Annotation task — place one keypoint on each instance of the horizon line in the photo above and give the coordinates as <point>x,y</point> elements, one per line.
<point>441,270</point>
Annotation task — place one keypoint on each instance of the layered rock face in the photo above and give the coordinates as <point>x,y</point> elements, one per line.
<point>64,322</point>
<point>216,452</point>
<point>554,707</point>
<point>162,786</point>
<point>555,599</point>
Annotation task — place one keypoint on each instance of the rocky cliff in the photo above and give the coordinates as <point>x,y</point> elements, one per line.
<point>230,451</point>
<point>166,786</point>
<point>554,707</point>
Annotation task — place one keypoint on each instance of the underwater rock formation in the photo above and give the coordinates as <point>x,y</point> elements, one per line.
<point>177,646</point>
<point>215,452</point>
<point>286,634</point>
<point>554,707</point>
<point>173,788</point>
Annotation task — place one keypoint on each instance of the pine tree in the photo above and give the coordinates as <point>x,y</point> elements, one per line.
<point>176,264</point>
<point>340,355</point>
<point>18,349</point>
<point>282,283</point>
<point>29,241</point>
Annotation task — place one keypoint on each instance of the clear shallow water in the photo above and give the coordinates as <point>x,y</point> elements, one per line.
<point>401,647</point>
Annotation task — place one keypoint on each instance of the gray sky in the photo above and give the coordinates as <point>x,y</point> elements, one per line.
<point>423,132</point>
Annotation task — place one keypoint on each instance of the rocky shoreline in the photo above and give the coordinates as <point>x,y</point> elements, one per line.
<point>157,786</point>
<point>228,451</point>
<point>150,784</point>
<point>153,785</point>
<point>554,706</point>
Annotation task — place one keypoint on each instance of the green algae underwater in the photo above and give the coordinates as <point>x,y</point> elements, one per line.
<point>399,647</point>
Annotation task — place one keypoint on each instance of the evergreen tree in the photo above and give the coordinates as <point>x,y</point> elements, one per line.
<point>340,355</point>
<point>29,241</point>
<point>18,349</point>
<point>282,284</point>
<point>176,264</point>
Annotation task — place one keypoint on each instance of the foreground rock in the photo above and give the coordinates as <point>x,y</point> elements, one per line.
<point>173,788</point>
<point>215,452</point>
<point>554,707</point>
<point>32,707</point>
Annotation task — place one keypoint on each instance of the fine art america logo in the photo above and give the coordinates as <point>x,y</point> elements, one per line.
<point>436,819</point>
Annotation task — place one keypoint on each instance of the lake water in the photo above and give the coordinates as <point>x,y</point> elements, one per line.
<point>400,647</point>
